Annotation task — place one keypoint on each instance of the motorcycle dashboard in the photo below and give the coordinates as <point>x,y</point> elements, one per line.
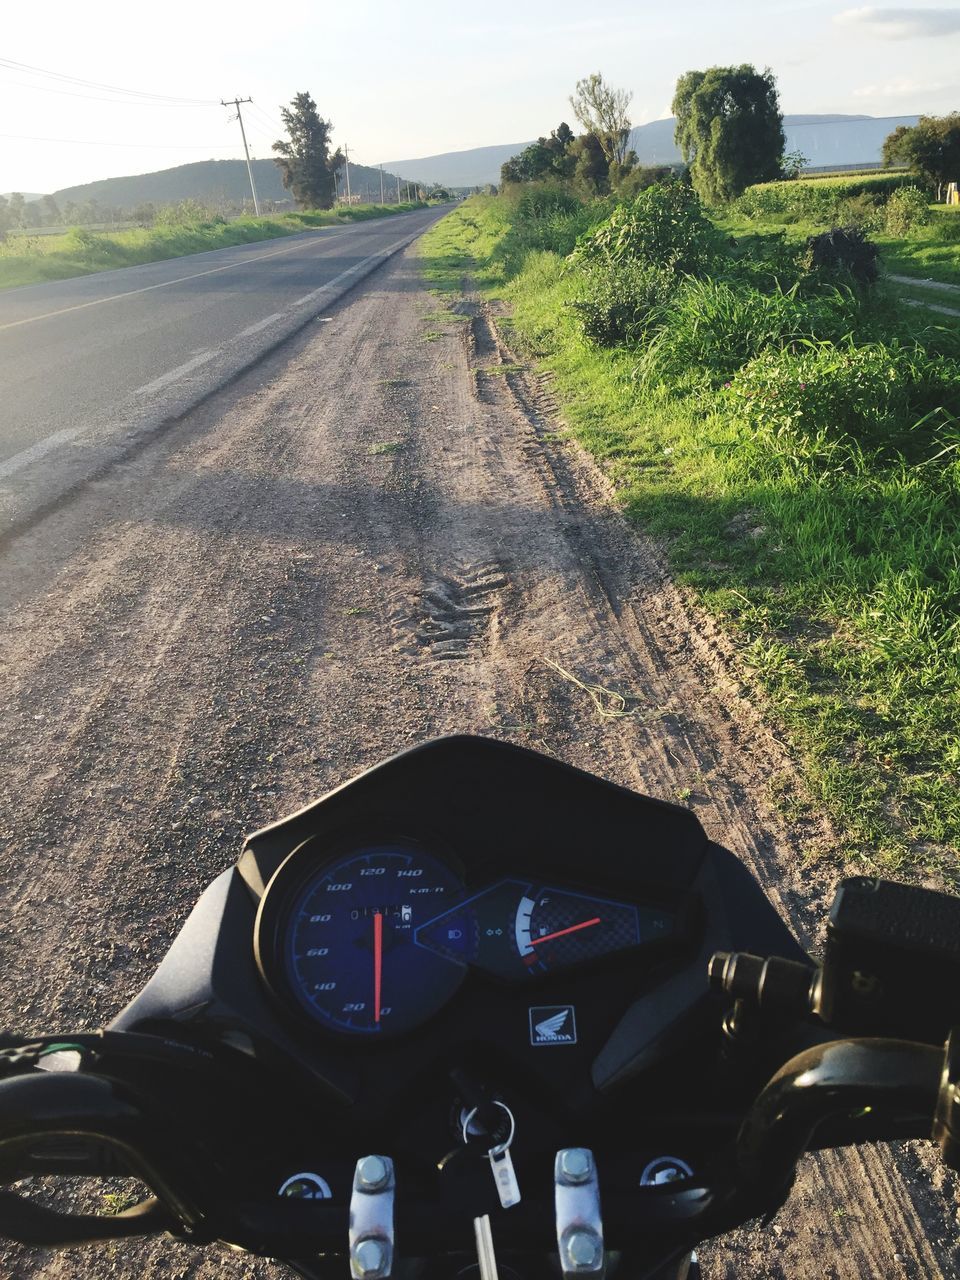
<point>374,937</point>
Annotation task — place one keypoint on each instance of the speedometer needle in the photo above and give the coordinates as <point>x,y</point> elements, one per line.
<point>377,962</point>
<point>548,937</point>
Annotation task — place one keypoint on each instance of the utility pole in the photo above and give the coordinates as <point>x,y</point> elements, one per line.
<point>235,102</point>
<point>398,188</point>
<point>381,185</point>
<point>346,161</point>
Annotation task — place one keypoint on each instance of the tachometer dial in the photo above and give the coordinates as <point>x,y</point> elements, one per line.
<point>347,948</point>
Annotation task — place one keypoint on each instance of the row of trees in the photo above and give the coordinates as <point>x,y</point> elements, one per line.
<point>729,130</point>
<point>930,150</point>
<point>16,212</point>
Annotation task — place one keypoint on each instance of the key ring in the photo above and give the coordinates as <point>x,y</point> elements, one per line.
<point>501,1147</point>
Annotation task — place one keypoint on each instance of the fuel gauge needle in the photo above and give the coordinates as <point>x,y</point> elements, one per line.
<point>377,962</point>
<point>560,933</point>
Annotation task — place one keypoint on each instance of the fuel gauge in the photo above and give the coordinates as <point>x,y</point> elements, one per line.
<point>554,929</point>
<point>514,928</point>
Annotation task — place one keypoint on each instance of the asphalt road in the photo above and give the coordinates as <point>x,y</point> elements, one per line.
<point>88,365</point>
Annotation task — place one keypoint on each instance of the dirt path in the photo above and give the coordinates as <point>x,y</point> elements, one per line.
<point>376,537</point>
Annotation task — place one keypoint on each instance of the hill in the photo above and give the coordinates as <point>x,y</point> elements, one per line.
<point>215,182</point>
<point>826,140</point>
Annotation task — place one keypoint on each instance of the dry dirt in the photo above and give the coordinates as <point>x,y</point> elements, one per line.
<point>378,535</point>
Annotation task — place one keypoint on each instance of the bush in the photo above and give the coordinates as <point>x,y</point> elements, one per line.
<point>767,262</point>
<point>881,398</point>
<point>665,226</point>
<point>906,209</point>
<point>87,245</point>
<point>539,202</point>
<point>846,251</point>
<point>188,213</point>
<point>640,177</point>
<point>823,200</point>
<point>862,211</point>
<point>715,326</point>
<point>622,302</point>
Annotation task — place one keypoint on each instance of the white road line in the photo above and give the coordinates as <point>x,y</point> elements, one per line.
<point>166,378</point>
<point>350,271</point>
<point>43,447</point>
<point>37,451</point>
<point>164,284</point>
<point>251,329</point>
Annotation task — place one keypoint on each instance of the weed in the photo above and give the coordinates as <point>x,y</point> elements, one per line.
<point>115,1202</point>
<point>844,605</point>
<point>385,447</point>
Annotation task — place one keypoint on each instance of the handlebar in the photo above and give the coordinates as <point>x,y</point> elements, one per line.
<point>79,1121</point>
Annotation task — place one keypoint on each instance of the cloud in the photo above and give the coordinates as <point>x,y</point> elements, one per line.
<point>902,24</point>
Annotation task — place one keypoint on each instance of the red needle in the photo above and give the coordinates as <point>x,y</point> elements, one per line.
<point>548,937</point>
<point>377,962</point>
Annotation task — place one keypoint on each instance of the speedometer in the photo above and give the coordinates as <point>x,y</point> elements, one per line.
<point>345,946</point>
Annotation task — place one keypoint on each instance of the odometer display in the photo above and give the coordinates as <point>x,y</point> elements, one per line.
<point>349,948</point>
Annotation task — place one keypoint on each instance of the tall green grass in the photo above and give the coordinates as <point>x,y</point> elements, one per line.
<point>812,504</point>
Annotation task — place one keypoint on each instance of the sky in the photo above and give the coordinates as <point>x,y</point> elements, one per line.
<point>88,93</point>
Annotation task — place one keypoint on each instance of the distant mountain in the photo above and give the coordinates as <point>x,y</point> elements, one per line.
<point>215,182</point>
<point>824,140</point>
<point>27,195</point>
<point>471,168</point>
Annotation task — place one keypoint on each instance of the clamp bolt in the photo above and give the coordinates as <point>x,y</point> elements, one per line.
<point>583,1250</point>
<point>372,1173</point>
<point>369,1257</point>
<point>576,1165</point>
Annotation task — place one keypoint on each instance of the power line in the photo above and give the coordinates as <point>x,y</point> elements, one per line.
<point>96,84</point>
<point>273,123</point>
<point>142,146</point>
<point>90,97</point>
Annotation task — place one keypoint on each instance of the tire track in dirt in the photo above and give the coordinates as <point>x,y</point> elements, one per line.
<point>375,537</point>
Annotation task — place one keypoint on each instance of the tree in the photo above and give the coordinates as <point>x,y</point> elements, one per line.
<point>544,159</point>
<point>591,166</point>
<point>602,110</point>
<point>51,211</point>
<point>729,129</point>
<point>18,209</point>
<point>306,166</point>
<point>930,149</point>
<point>145,214</point>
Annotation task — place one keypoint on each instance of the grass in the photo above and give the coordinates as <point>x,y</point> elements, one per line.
<point>80,252</point>
<point>931,252</point>
<point>839,581</point>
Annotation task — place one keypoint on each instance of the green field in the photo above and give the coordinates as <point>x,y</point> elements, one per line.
<point>802,208</point>
<point>80,252</point>
<point>782,446</point>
